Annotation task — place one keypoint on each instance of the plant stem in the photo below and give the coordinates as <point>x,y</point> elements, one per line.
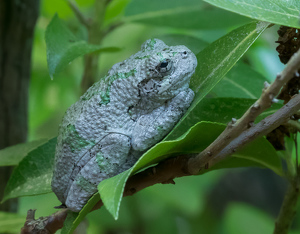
<point>288,208</point>
<point>95,34</point>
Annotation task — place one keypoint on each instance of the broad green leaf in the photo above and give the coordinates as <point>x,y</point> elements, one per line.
<point>241,82</point>
<point>217,59</point>
<point>63,46</point>
<point>197,139</point>
<point>33,174</point>
<point>193,43</point>
<point>242,218</point>
<point>115,10</point>
<point>11,222</point>
<point>282,12</point>
<point>188,14</point>
<point>12,155</point>
<point>220,110</point>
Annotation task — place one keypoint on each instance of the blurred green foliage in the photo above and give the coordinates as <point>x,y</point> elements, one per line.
<point>183,208</point>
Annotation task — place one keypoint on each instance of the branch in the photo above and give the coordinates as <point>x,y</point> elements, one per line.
<point>235,128</point>
<point>78,14</point>
<point>262,128</point>
<point>44,225</point>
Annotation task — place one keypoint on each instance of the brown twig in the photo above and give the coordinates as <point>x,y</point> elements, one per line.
<point>78,14</point>
<point>44,225</point>
<point>262,128</point>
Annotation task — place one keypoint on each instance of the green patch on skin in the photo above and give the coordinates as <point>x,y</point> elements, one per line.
<point>174,53</point>
<point>85,184</point>
<point>161,56</point>
<point>101,161</point>
<point>105,95</point>
<point>146,56</point>
<point>151,44</point>
<point>75,141</point>
<point>105,99</point>
<point>160,129</point>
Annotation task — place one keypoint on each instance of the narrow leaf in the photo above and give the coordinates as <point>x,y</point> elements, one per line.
<point>74,219</point>
<point>33,174</point>
<point>188,14</point>
<point>217,59</point>
<point>12,155</point>
<point>193,43</point>
<point>282,12</point>
<point>241,81</point>
<point>63,46</point>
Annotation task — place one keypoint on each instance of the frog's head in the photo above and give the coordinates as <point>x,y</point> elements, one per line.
<point>168,69</point>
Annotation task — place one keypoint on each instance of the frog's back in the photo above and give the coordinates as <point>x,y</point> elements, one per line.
<point>101,110</point>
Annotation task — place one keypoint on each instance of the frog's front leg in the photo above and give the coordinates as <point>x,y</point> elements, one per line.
<point>108,158</point>
<point>152,127</point>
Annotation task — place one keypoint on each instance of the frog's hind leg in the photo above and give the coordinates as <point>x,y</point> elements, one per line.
<point>109,158</point>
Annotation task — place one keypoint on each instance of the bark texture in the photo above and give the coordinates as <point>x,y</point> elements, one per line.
<point>17,21</point>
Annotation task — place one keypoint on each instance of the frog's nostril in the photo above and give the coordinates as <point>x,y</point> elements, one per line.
<point>184,54</point>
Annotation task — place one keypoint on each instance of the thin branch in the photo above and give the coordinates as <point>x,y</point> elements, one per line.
<point>78,14</point>
<point>112,28</point>
<point>235,128</point>
<point>95,36</point>
<point>262,128</point>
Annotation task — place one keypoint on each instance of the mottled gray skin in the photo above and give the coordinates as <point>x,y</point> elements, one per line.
<point>133,107</point>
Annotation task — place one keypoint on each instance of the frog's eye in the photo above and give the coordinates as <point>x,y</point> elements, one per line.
<point>164,66</point>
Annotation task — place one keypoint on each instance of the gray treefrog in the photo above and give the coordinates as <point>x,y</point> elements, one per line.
<point>133,107</point>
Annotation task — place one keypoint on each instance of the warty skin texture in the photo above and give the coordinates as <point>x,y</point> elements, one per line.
<point>128,111</point>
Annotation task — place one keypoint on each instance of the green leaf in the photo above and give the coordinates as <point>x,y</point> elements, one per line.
<point>280,12</point>
<point>242,82</point>
<point>33,174</point>
<point>188,14</point>
<point>111,190</point>
<point>216,60</point>
<point>115,10</point>
<point>12,155</point>
<point>69,225</point>
<point>220,110</point>
<point>63,46</point>
<point>11,222</point>
<point>193,43</point>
